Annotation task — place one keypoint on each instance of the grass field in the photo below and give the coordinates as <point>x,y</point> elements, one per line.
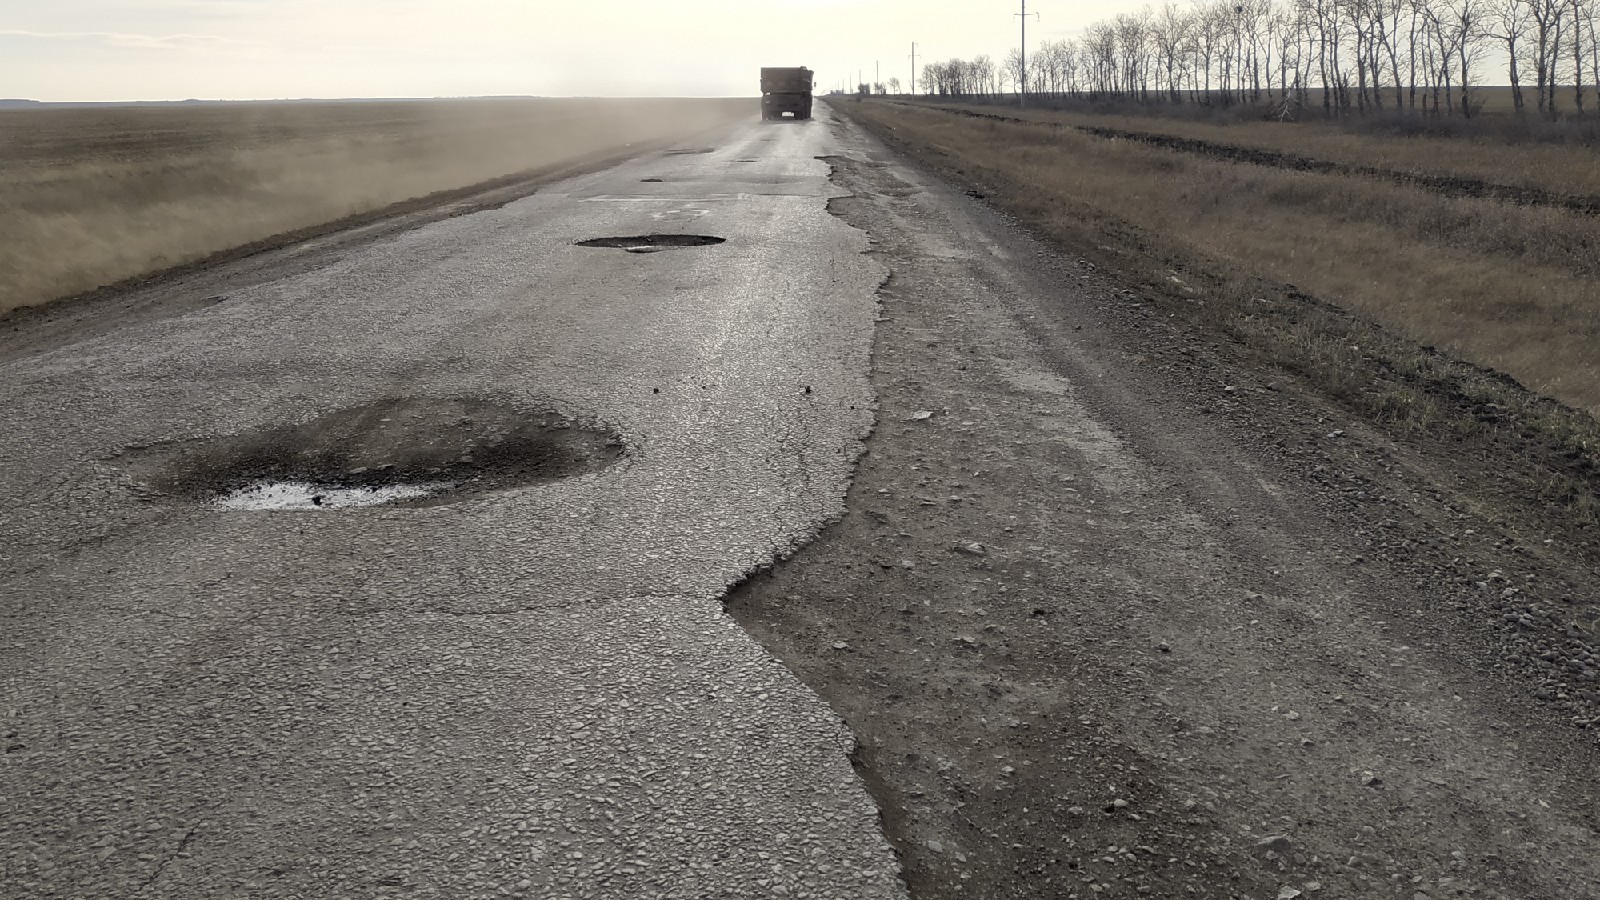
<point>1554,168</point>
<point>91,196</point>
<point>1513,287</point>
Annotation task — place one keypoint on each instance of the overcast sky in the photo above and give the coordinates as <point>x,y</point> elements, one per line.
<point>269,49</point>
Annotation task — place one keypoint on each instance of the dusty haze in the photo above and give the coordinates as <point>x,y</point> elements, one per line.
<point>89,197</point>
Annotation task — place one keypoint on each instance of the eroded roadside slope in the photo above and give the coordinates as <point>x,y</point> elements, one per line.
<point>1121,610</point>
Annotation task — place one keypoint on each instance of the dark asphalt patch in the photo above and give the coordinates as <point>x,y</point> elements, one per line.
<point>411,451</point>
<point>652,243</point>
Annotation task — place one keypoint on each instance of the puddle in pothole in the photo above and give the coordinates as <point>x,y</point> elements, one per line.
<point>306,495</point>
<point>408,451</point>
<point>653,243</point>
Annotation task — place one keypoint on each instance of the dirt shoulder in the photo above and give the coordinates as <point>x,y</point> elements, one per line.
<point>1120,608</point>
<point>1279,261</point>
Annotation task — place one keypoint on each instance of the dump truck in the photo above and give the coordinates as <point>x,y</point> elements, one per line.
<point>786,90</point>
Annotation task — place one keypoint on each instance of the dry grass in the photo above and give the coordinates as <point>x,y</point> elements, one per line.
<point>93,196</point>
<point>1558,169</point>
<point>1508,287</point>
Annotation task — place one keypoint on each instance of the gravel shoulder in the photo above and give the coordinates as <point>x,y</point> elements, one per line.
<point>1114,612</point>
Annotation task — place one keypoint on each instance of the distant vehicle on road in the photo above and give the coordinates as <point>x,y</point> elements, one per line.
<point>786,91</point>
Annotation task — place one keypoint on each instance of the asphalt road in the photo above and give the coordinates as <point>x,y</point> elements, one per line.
<point>527,687</point>
<point>1115,608</point>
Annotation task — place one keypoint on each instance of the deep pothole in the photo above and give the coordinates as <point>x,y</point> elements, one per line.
<point>401,451</point>
<point>651,243</point>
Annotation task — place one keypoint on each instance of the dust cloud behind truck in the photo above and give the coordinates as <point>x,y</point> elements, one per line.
<point>786,90</point>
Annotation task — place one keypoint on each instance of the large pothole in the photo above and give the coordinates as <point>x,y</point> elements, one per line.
<point>650,243</point>
<point>409,451</point>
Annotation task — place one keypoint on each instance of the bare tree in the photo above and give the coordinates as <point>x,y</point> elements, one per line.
<point>1415,42</point>
<point>1325,19</point>
<point>1386,15</point>
<point>1100,58</point>
<point>1547,17</point>
<point>1363,29</point>
<point>1582,12</point>
<point>981,74</point>
<point>1443,45</point>
<point>1132,35</point>
<point>1290,36</point>
<point>1055,62</point>
<point>1594,45</point>
<point>1467,18</point>
<point>1014,67</point>
<point>1169,31</point>
<point>1508,24</point>
<point>1211,41</point>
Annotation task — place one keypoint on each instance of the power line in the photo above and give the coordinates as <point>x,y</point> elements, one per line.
<point>1022,58</point>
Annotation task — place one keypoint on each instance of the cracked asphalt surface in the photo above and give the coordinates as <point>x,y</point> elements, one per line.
<point>531,691</point>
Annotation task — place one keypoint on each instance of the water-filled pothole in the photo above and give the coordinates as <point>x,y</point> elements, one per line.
<point>651,243</point>
<point>408,451</point>
<point>310,495</point>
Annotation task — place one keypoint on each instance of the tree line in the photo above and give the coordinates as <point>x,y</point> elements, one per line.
<point>1351,56</point>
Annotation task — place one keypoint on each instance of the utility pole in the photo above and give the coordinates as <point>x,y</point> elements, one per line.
<point>1022,56</point>
<point>913,68</point>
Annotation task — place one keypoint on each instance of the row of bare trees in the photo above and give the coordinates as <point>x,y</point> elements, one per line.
<point>959,77</point>
<point>1352,56</point>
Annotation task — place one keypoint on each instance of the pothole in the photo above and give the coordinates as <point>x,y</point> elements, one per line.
<point>405,451</point>
<point>651,243</point>
<point>688,152</point>
<point>649,181</point>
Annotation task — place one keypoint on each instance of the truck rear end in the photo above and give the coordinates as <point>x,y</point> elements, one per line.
<point>786,91</point>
